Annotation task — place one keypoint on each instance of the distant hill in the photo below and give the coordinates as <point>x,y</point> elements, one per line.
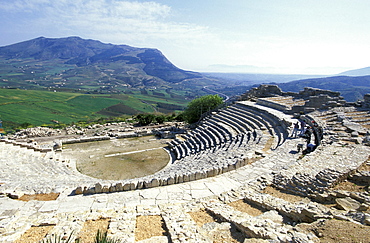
<point>76,63</point>
<point>357,72</point>
<point>351,88</point>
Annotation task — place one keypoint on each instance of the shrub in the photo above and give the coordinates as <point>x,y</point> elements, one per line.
<point>201,105</point>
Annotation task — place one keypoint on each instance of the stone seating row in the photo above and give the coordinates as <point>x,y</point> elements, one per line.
<point>27,145</point>
<point>32,171</point>
<point>237,119</point>
<point>207,163</point>
<point>279,122</point>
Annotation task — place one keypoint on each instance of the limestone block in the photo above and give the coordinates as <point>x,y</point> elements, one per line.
<point>147,184</point>
<point>112,188</point>
<point>105,189</point>
<point>163,181</point>
<point>367,219</point>
<point>126,186</point>
<point>139,185</point>
<point>211,172</point>
<point>78,190</point>
<point>225,169</point>
<point>347,203</point>
<point>98,188</point>
<point>170,181</point>
<point>192,177</point>
<point>238,164</point>
<point>180,178</point>
<point>155,182</point>
<point>119,187</point>
<point>186,178</point>
<point>231,167</point>
<point>198,175</point>
<point>89,190</point>
<point>353,126</point>
<point>218,171</point>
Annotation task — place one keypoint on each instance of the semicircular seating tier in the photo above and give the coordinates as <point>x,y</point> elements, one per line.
<point>222,142</point>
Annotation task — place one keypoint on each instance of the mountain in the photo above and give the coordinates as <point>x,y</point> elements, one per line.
<point>351,88</point>
<point>76,63</point>
<point>357,72</point>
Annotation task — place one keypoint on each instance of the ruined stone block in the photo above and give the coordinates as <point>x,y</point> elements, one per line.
<point>170,181</point>
<point>105,189</point>
<point>155,182</point>
<point>112,188</point>
<point>119,187</point>
<point>98,188</point>
<point>78,190</point>
<point>126,187</point>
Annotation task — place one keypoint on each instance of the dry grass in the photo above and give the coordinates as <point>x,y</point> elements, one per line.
<point>40,197</point>
<point>201,217</point>
<point>91,227</point>
<point>245,207</point>
<point>149,226</point>
<point>333,231</point>
<point>35,234</point>
<point>285,196</point>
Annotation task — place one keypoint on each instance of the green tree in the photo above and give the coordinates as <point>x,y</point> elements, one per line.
<point>145,119</point>
<point>160,119</point>
<point>201,105</point>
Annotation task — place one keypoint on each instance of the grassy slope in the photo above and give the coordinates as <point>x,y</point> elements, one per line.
<point>40,107</point>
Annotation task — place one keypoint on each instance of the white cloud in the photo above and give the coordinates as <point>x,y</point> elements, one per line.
<point>108,20</point>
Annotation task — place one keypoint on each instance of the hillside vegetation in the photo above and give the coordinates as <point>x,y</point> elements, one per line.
<point>45,80</point>
<point>78,64</point>
<point>26,107</point>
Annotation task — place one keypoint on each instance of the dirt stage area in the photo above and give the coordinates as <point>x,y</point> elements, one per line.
<point>119,159</point>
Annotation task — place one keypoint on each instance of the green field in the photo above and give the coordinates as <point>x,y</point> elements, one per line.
<point>46,107</point>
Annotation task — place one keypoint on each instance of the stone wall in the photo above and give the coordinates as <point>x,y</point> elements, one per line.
<point>308,92</point>
<point>264,90</point>
<point>315,98</point>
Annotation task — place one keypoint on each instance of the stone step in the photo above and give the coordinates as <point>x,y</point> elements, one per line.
<point>266,226</point>
<point>181,226</point>
<point>122,226</point>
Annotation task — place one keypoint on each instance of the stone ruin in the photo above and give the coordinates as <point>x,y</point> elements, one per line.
<point>235,155</point>
<point>307,100</point>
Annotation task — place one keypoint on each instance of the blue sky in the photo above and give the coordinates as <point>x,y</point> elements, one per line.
<point>274,36</point>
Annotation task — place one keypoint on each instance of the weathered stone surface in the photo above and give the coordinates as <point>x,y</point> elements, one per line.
<point>78,190</point>
<point>126,186</point>
<point>98,188</point>
<point>105,189</point>
<point>155,182</point>
<point>367,219</point>
<point>354,127</point>
<point>119,187</point>
<point>347,204</point>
